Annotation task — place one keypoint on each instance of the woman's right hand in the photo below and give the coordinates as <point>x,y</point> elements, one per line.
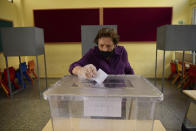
<point>87,72</point>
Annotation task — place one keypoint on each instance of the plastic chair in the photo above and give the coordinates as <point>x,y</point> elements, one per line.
<point>191,77</point>
<point>19,77</point>
<point>23,67</point>
<point>4,80</point>
<point>173,70</point>
<point>179,73</point>
<point>31,70</point>
<point>1,84</point>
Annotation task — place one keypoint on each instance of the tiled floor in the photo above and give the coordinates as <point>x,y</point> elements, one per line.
<point>27,112</point>
<point>172,110</point>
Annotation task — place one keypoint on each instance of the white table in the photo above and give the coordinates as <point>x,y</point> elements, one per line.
<point>115,124</point>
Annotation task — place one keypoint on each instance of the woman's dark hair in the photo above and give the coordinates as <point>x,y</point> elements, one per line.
<point>107,32</point>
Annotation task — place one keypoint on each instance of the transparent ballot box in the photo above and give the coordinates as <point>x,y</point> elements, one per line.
<point>120,103</point>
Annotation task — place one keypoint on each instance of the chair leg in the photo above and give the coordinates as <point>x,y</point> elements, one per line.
<point>170,76</point>
<point>34,74</point>
<point>175,79</point>
<point>28,74</point>
<point>7,93</point>
<point>183,81</point>
<point>186,84</point>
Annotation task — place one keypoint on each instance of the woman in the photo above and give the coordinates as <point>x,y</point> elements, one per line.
<point>107,55</point>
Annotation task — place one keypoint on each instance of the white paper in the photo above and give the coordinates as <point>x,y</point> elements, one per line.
<point>100,76</point>
<point>107,107</point>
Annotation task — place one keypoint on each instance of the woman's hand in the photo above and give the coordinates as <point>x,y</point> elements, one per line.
<point>85,72</point>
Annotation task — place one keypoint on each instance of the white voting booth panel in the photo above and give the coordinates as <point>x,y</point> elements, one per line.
<point>126,99</point>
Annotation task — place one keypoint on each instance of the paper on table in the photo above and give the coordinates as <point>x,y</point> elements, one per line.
<point>100,77</point>
<point>108,107</point>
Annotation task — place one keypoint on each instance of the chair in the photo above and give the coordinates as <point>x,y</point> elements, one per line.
<point>31,70</point>
<point>173,70</point>
<point>179,73</point>
<point>4,80</point>
<point>191,77</point>
<point>19,77</point>
<point>23,67</point>
<point>1,84</point>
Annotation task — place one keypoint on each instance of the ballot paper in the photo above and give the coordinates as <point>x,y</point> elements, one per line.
<point>101,106</point>
<point>100,76</point>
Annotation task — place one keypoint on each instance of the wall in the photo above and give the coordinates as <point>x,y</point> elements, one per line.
<point>192,5</point>
<point>141,55</point>
<point>12,12</point>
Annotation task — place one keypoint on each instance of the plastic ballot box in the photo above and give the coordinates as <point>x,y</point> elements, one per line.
<point>120,103</point>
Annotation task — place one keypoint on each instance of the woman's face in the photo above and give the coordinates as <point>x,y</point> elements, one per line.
<point>105,44</point>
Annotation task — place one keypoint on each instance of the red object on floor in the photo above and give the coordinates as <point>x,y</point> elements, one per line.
<point>4,79</point>
<point>31,69</point>
<point>1,84</point>
<point>191,77</point>
<point>173,70</point>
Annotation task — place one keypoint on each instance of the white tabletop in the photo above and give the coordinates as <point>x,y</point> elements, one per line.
<point>118,123</point>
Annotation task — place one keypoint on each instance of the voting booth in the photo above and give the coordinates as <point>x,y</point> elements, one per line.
<point>120,103</point>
